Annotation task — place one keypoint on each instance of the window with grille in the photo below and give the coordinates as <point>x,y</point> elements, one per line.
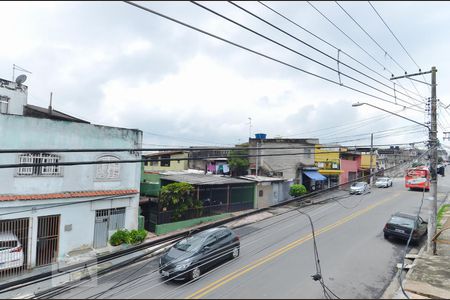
<point>39,158</point>
<point>4,101</point>
<point>110,171</point>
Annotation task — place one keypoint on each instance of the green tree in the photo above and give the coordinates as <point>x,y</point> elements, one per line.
<point>237,162</point>
<point>178,197</point>
<point>297,190</point>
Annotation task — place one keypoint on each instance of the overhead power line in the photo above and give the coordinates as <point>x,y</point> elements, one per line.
<point>394,35</point>
<point>312,47</point>
<point>101,162</point>
<point>384,50</point>
<point>259,53</point>
<point>359,46</point>
<point>387,26</point>
<point>338,49</point>
<point>192,149</point>
<point>299,53</point>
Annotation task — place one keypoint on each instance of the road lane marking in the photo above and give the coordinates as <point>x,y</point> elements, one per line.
<point>218,283</point>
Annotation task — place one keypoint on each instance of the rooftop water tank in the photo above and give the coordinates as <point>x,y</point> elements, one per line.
<point>261,136</point>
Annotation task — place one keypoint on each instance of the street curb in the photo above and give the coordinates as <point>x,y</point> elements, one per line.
<point>408,274</point>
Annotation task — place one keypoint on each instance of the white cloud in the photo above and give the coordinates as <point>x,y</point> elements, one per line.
<point>116,65</point>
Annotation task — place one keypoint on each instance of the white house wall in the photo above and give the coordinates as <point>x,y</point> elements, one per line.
<point>18,132</point>
<point>18,96</point>
<point>80,216</point>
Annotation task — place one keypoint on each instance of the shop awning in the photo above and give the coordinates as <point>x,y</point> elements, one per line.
<point>330,172</point>
<point>314,175</point>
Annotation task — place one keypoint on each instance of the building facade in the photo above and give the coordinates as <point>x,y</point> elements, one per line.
<point>55,210</point>
<point>166,161</point>
<point>296,154</point>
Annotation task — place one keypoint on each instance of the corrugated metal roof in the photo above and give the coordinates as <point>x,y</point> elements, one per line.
<point>202,179</point>
<point>262,178</point>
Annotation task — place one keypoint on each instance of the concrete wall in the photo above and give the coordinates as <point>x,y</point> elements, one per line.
<point>174,165</point>
<point>267,198</point>
<point>169,227</point>
<point>19,132</point>
<point>288,164</point>
<point>79,214</point>
<point>365,161</point>
<point>17,94</point>
<point>347,166</point>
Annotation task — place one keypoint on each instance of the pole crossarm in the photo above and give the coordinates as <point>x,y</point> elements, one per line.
<point>410,75</point>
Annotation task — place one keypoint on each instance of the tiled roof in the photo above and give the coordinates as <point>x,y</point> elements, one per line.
<point>66,195</point>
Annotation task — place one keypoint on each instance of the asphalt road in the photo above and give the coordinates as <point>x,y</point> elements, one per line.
<point>277,258</point>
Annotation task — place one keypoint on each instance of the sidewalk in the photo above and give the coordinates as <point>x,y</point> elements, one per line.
<point>429,276</point>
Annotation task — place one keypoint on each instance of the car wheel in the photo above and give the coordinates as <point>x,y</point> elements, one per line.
<point>195,273</point>
<point>386,236</point>
<point>235,252</point>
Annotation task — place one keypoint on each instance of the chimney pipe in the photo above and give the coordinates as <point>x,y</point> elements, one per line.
<point>50,109</point>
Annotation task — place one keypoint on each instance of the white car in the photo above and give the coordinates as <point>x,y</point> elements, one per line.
<point>383,182</point>
<point>11,251</point>
<point>360,188</point>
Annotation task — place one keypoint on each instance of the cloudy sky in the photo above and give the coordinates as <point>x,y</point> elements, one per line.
<point>114,64</point>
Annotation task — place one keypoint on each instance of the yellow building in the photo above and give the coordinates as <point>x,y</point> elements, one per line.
<point>166,161</point>
<point>365,161</point>
<point>327,159</point>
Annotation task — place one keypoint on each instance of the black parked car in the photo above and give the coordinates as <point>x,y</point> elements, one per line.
<point>401,224</point>
<point>193,255</point>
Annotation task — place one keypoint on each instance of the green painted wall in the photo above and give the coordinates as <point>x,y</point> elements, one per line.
<point>169,227</point>
<point>150,184</point>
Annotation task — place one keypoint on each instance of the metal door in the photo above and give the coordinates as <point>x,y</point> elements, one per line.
<point>276,193</point>
<point>101,230</point>
<point>107,221</point>
<point>47,240</point>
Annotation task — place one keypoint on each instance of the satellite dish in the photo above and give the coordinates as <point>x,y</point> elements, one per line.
<point>21,79</point>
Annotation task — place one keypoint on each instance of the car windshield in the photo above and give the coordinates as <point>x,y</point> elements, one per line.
<point>402,221</point>
<point>358,184</point>
<point>190,244</point>
<point>382,179</point>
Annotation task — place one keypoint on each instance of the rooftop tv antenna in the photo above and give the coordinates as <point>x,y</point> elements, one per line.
<point>16,67</point>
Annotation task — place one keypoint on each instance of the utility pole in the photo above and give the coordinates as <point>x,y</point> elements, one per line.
<point>431,246</point>
<point>371,153</point>
<point>257,158</point>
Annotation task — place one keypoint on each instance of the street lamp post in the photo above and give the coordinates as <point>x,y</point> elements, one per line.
<point>431,246</point>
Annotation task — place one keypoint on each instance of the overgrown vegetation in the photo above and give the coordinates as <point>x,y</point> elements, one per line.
<point>440,214</point>
<point>178,198</point>
<point>297,190</point>
<point>124,236</point>
<point>238,163</point>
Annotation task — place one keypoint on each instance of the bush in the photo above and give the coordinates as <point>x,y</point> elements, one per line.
<point>137,236</point>
<point>297,190</point>
<point>119,237</point>
<point>122,236</point>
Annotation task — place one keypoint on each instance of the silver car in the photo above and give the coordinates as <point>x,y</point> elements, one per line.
<point>360,188</point>
<point>383,182</point>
